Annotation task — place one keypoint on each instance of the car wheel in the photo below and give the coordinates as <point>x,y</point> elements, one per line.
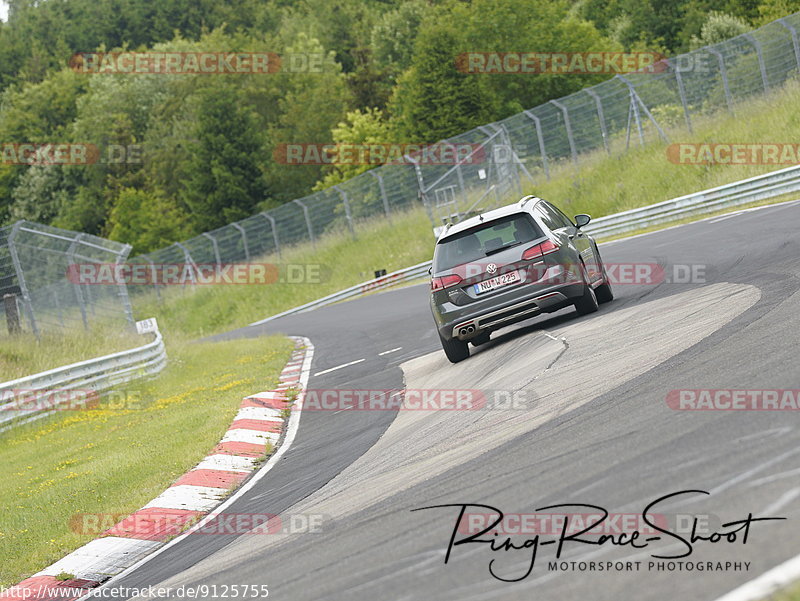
<point>480,339</point>
<point>604,292</point>
<point>455,349</point>
<point>588,302</point>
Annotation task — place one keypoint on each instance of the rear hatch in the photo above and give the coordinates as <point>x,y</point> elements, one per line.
<point>490,259</point>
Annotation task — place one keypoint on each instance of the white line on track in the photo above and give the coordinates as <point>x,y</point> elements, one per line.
<point>766,584</point>
<point>327,371</point>
<point>724,217</point>
<point>783,501</point>
<point>394,350</point>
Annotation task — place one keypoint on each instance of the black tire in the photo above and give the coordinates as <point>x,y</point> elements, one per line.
<point>588,302</point>
<point>455,349</point>
<point>604,292</point>
<point>480,339</point>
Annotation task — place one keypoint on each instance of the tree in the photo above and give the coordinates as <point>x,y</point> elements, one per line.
<point>147,221</point>
<point>359,129</point>
<point>719,27</point>
<point>433,100</point>
<point>224,178</point>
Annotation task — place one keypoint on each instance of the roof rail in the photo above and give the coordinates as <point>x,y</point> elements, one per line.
<point>525,200</point>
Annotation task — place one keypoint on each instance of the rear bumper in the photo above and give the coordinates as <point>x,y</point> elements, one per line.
<point>465,326</point>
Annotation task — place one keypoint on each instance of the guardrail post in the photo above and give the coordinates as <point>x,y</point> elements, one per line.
<point>347,214</point>
<point>244,240</point>
<point>23,287</point>
<point>214,245</point>
<point>308,221</point>
<point>723,71</point>
<point>795,42</point>
<point>382,188</point>
<point>599,106</point>
<point>568,127</point>
<point>271,220</point>
<point>542,152</point>
<point>757,45</point>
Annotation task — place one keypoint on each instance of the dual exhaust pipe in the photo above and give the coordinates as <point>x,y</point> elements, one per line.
<point>466,330</point>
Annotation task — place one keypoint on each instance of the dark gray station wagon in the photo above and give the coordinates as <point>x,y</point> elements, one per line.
<point>508,265</point>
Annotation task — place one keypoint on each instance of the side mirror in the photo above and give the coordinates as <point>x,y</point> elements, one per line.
<point>582,220</point>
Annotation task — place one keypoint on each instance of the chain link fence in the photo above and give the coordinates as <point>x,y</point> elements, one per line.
<point>635,108</point>
<point>631,109</point>
<point>39,284</point>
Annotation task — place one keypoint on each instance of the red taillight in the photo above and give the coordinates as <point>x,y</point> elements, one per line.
<point>545,248</point>
<point>444,282</point>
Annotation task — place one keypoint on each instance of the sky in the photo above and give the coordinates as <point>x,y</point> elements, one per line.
<point>3,10</point>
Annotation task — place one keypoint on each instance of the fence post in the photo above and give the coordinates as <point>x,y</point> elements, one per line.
<point>542,151</point>
<point>423,197</point>
<point>382,188</point>
<point>795,42</point>
<point>76,287</point>
<point>271,220</point>
<point>189,261</point>
<point>12,313</point>
<point>347,214</point>
<point>568,127</point>
<point>757,45</point>
<point>244,240</point>
<point>723,71</point>
<point>214,245</point>
<point>23,287</point>
<point>154,274</point>
<point>123,288</point>
<point>308,221</point>
<point>599,105</point>
<point>682,93</point>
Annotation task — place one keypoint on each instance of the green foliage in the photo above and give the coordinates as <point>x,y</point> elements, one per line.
<point>360,128</point>
<point>183,153</point>
<point>224,181</point>
<point>719,27</point>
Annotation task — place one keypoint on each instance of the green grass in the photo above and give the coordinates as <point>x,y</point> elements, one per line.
<point>602,184</point>
<point>792,594</point>
<point>22,355</point>
<point>343,262</point>
<point>117,458</point>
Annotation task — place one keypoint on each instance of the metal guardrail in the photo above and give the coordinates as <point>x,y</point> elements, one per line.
<point>760,187</point>
<point>390,279</point>
<point>33,397</point>
<point>756,188</point>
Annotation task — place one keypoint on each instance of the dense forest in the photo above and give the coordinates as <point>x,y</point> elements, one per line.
<point>183,153</point>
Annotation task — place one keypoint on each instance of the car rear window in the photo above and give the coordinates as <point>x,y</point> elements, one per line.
<point>485,239</point>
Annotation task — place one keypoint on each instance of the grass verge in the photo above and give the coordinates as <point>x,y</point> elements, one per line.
<point>116,458</point>
<point>21,355</point>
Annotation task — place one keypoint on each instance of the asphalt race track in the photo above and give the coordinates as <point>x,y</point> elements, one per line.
<point>594,428</point>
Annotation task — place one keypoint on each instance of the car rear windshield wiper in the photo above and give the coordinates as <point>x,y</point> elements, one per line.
<point>502,248</point>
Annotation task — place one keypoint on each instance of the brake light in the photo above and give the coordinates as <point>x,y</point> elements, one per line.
<point>545,248</point>
<point>444,282</point>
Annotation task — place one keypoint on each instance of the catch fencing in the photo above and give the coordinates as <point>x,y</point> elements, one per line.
<point>37,294</point>
<point>628,109</point>
<point>506,158</point>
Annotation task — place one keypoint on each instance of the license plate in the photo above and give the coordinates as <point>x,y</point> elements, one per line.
<point>512,277</point>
